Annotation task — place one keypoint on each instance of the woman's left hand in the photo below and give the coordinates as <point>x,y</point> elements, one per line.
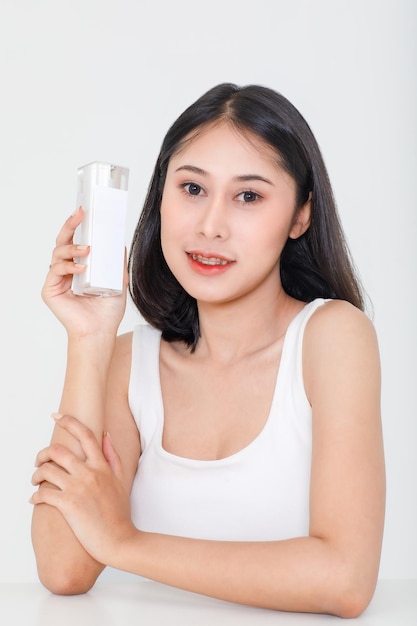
<point>89,492</point>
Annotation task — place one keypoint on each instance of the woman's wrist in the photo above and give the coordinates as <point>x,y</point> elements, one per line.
<point>100,337</point>
<point>125,553</point>
<point>98,346</point>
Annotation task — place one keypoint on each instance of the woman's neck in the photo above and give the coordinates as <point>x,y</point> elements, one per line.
<point>232,330</point>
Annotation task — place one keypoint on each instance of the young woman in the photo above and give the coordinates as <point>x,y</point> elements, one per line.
<point>242,452</point>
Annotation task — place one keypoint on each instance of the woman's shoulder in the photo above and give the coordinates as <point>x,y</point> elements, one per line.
<point>340,318</point>
<point>339,341</point>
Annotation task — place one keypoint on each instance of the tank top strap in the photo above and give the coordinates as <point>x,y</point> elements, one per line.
<point>290,383</point>
<point>144,385</point>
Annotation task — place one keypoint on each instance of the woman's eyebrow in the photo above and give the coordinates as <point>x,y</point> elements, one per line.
<point>242,178</point>
<point>246,177</point>
<point>192,168</point>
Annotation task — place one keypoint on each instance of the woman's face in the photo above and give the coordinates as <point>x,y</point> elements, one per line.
<point>226,213</point>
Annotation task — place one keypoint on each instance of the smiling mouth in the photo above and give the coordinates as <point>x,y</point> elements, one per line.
<point>209,260</point>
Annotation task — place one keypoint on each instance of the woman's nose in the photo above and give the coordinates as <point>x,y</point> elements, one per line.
<point>214,220</point>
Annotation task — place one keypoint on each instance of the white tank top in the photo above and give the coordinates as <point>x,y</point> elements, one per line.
<point>260,493</point>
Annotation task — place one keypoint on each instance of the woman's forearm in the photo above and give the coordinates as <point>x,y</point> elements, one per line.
<point>63,564</point>
<point>305,574</point>
<point>84,390</point>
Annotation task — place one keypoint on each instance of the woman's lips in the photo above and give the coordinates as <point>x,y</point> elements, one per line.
<point>208,262</point>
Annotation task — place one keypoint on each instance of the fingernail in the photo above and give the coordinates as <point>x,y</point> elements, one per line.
<point>56,416</point>
<point>76,211</point>
<point>82,247</point>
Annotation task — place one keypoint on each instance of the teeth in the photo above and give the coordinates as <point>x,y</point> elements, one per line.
<point>208,261</point>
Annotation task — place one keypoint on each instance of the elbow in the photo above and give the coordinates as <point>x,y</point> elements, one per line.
<point>67,582</point>
<point>351,599</point>
<point>66,586</point>
<point>63,566</point>
<point>351,605</point>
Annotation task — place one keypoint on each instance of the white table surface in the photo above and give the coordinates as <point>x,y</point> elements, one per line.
<point>147,603</point>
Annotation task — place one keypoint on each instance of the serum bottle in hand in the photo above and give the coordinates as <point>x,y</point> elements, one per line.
<point>102,193</point>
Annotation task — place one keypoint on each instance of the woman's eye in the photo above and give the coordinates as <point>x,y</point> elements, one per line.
<point>193,189</point>
<point>249,196</point>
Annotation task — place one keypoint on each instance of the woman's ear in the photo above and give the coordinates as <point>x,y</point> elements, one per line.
<point>302,220</point>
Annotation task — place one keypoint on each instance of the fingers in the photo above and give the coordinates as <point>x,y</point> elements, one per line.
<point>83,434</point>
<point>55,465</point>
<point>63,262</point>
<point>66,234</point>
<point>111,456</point>
<point>59,467</point>
<point>47,495</point>
<point>57,454</point>
<point>63,254</point>
<point>65,249</point>
<point>66,259</point>
<point>52,474</point>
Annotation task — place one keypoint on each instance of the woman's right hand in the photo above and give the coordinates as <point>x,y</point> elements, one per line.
<point>80,315</point>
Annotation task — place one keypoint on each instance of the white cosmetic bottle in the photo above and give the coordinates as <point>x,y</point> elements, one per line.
<point>102,193</point>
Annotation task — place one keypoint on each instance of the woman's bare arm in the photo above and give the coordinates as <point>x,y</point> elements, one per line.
<point>63,564</point>
<point>334,569</point>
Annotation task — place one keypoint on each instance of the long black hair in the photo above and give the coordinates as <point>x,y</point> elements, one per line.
<point>317,264</point>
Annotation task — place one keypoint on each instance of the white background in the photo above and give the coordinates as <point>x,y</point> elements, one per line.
<point>85,80</point>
